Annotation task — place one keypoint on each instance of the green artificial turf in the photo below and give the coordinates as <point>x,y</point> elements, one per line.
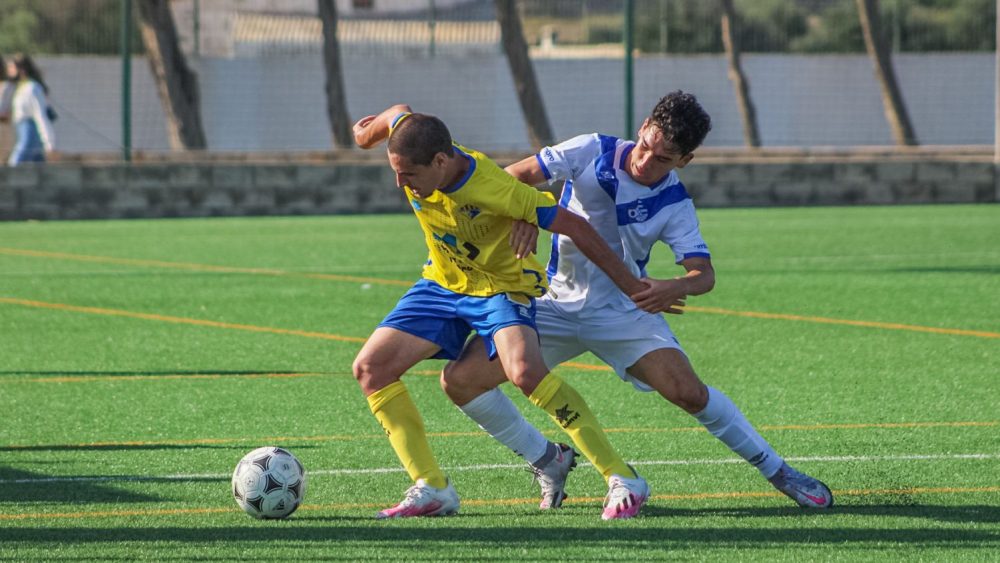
<point>142,359</point>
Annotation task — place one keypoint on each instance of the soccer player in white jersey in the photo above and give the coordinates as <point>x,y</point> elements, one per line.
<point>631,194</point>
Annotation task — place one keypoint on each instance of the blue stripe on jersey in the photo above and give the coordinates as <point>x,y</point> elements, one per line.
<point>546,215</point>
<point>604,167</point>
<point>642,265</point>
<point>608,143</point>
<point>399,117</point>
<point>468,173</point>
<point>644,209</point>
<point>567,194</point>
<point>541,164</point>
<point>696,255</point>
<point>625,151</point>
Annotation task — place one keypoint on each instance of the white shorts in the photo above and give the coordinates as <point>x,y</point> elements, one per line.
<point>618,338</point>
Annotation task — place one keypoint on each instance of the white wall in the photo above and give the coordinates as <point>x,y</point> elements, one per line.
<point>278,103</point>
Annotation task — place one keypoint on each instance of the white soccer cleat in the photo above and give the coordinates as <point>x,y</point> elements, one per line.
<point>424,500</point>
<point>625,497</point>
<point>803,489</point>
<point>552,477</point>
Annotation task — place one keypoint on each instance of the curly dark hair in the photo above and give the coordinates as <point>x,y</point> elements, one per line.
<point>682,120</point>
<point>419,137</point>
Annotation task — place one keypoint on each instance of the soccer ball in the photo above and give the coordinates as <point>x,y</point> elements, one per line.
<point>269,482</point>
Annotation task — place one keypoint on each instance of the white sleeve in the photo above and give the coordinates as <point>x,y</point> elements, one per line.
<point>41,117</point>
<point>682,233</point>
<point>569,158</point>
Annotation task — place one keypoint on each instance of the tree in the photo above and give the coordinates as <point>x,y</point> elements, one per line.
<point>176,83</point>
<point>878,51</point>
<point>732,45</point>
<point>514,45</point>
<point>336,101</point>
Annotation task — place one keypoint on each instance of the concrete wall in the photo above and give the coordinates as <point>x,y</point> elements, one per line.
<point>93,191</point>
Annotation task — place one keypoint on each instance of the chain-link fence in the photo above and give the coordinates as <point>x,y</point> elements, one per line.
<point>261,77</point>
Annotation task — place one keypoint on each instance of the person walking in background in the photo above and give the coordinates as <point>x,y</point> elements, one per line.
<point>6,95</point>
<point>30,112</point>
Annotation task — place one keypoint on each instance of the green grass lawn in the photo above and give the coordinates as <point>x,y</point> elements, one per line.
<point>142,359</point>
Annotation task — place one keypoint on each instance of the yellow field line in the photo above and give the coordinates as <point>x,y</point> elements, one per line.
<point>380,281</point>
<point>197,267</point>
<point>178,320</point>
<point>475,434</point>
<point>98,378</point>
<point>825,320</point>
<point>216,324</point>
<point>92,378</point>
<point>493,502</point>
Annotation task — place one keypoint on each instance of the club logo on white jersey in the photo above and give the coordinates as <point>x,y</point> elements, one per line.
<point>639,213</point>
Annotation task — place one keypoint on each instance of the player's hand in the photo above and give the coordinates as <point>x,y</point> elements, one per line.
<point>661,296</point>
<point>523,238</point>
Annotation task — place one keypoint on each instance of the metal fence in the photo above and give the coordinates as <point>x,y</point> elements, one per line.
<point>261,76</point>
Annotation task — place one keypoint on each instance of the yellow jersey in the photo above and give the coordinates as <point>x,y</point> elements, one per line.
<point>467,229</point>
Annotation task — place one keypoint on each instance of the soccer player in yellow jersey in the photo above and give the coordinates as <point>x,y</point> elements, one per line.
<point>473,281</point>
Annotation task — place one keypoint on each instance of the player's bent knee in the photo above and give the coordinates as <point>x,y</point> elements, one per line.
<point>525,377</point>
<point>691,398</point>
<point>364,370</point>
<point>456,381</point>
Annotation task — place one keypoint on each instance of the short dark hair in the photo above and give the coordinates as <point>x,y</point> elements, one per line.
<point>419,137</point>
<point>682,120</point>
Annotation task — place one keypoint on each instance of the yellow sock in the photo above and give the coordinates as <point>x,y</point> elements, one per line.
<point>572,414</point>
<point>395,411</point>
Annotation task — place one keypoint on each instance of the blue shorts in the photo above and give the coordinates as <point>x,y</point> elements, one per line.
<point>446,318</point>
<point>28,147</point>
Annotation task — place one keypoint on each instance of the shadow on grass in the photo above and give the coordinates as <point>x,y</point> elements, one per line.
<point>982,514</point>
<point>26,486</point>
<point>986,269</point>
<point>140,374</point>
<point>663,532</point>
<point>125,446</point>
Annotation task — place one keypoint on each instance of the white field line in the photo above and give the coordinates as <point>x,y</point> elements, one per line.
<point>488,467</point>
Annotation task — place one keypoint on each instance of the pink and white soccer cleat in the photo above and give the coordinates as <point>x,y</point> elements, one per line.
<point>625,497</point>
<point>424,500</point>
<point>803,489</point>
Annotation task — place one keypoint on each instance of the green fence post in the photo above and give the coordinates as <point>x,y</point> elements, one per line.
<point>629,87</point>
<point>126,47</point>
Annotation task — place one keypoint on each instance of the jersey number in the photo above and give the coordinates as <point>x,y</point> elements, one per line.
<point>451,241</point>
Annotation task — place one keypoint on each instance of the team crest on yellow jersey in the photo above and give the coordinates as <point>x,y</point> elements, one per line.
<point>471,211</point>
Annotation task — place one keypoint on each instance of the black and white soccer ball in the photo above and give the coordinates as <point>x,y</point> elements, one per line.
<point>269,482</point>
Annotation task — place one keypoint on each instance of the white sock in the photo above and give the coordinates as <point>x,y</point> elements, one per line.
<point>725,421</point>
<point>496,414</point>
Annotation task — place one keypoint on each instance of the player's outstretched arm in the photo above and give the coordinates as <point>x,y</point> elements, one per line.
<point>373,129</point>
<point>668,296</point>
<point>594,248</point>
<point>528,171</point>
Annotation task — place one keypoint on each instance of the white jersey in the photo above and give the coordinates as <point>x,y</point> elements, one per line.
<point>29,102</point>
<point>629,216</point>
